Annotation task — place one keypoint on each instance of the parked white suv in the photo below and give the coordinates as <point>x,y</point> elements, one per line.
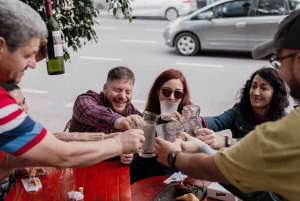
<point>169,9</point>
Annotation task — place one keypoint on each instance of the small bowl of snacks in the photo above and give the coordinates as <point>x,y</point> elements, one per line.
<point>183,187</point>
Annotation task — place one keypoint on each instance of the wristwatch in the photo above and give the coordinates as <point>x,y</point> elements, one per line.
<point>172,158</point>
<point>227,141</point>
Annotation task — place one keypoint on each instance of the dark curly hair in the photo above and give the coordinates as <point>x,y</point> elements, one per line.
<point>280,96</point>
<point>153,104</point>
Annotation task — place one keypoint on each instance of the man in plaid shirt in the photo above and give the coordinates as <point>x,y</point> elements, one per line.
<point>111,110</point>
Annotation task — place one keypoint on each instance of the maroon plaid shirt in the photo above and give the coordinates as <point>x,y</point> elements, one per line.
<point>90,114</point>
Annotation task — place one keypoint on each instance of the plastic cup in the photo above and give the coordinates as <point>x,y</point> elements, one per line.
<point>150,116</point>
<point>147,148</point>
<point>66,186</point>
<point>168,109</point>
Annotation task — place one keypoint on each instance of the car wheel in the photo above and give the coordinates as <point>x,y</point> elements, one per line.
<point>120,15</point>
<point>187,44</point>
<point>171,14</point>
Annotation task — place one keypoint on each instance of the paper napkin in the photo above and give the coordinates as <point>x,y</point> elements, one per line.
<point>174,177</point>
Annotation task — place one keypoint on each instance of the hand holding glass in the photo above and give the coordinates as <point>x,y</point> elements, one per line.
<point>147,148</point>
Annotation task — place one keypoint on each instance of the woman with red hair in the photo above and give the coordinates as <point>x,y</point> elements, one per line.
<point>169,85</point>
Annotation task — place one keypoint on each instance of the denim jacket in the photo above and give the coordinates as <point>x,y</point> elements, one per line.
<point>233,119</point>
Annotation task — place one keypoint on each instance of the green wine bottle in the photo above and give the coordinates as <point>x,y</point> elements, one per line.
<point>55,59</point>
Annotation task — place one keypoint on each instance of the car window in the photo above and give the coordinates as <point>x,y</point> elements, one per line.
<point>232,9</point>
<point>294,5</point>
<point>203,15</point>
<point>270,7</point>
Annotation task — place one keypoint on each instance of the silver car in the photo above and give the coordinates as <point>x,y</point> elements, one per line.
<point>169,9</point>
<point>228,25</point>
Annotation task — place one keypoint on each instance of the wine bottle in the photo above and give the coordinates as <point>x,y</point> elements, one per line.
<point>55,60</point>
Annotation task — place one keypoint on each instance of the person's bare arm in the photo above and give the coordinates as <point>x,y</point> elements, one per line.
<point>53,152</point>
<point>10,163</point>
<point>111,135</point>
<point>200,166</point>
<point>76,136</point>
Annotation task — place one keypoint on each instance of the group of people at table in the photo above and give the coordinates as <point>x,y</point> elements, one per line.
<point>261,156</point>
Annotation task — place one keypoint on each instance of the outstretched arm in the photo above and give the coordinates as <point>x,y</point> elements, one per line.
<point>76,136</point>
<point>10,162</point>
<point>53,152</point>
<point>202,167</point>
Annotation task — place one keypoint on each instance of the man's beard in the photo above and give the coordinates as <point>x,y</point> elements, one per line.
<point>11,81</point>
<point>295,87</point>
<point>109,104</point>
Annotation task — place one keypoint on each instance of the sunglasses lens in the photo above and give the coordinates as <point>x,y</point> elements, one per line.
<point>166,92</point>
<point>178,94</point>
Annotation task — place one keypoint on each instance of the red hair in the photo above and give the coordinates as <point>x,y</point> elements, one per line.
<point>153,104</point>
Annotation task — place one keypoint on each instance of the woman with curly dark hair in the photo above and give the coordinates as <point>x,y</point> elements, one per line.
<point>263,98</point>
<point>169,85</point>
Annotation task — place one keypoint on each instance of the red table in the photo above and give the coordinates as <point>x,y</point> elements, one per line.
<point>107,181</point>
<point>148,189</point>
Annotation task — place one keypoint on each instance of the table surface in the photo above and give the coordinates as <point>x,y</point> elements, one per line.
<point>148,189</point>
<point>99,183</point>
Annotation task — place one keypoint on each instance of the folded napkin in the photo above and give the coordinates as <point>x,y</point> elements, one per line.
<point>28,185</point>
<point>75,195</point>
<point>174,177</point>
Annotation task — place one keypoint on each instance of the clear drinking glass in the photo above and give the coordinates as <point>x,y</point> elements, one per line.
<point>195,123</point>
<point>189,111</point>
<point>168,109</point>
<point>166,132</point>
<point>150,116</point>
<point>179,128</point>
<point>186,126</point>
<point>66,186</point>
<point>147,148</point>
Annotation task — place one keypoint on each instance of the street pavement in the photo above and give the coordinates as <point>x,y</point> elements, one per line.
<point>214,78</point>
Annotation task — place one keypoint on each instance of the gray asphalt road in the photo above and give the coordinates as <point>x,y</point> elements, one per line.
<point>214,78</point>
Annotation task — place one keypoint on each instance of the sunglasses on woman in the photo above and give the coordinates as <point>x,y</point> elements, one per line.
<point>168,92</point>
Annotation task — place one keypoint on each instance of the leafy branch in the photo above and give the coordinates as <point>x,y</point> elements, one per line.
<point>76,18</point>
<point>121,5</point>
